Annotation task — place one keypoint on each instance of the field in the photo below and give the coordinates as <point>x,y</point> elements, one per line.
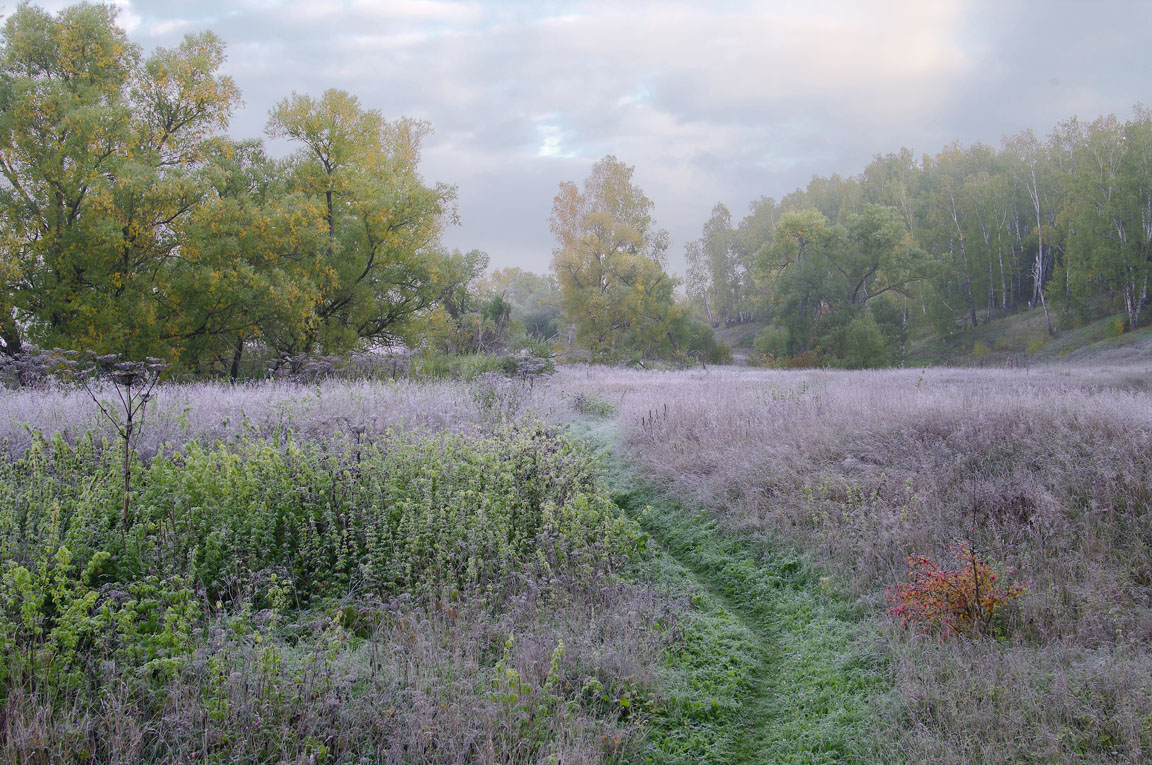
<point>602,566</point>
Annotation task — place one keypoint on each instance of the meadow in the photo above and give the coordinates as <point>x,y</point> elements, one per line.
<point>601,566</point>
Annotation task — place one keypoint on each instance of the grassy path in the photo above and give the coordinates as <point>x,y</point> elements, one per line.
<point>774,666</point>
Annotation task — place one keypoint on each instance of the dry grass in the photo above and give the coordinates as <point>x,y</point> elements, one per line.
<point>1047,471</point>
<point>1049,474</point>
<point>415,685</point>
<point>210,412</point>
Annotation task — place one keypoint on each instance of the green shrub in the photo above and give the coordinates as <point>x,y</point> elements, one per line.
<point>772,343</point>
<point>276,525</point>
<point>465,366</point>
<point>589,402</point>
<point>402,515</point>
<point>864,346</point>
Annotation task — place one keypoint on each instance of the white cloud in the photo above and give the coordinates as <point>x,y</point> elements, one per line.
<point>721,100</point>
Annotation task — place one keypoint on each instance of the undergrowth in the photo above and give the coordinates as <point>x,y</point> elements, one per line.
<point>415,597</point>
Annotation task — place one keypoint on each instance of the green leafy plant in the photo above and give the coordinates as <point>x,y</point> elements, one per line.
<point>589,402</point>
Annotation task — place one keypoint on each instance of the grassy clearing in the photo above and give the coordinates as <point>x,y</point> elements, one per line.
<point>404,572</point>
<point>775,664</point>
<point>802,676</point>
<point>1045,472</point>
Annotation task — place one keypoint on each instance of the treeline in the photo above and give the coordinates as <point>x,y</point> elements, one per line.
<point>131,224</point>
<point>845,269</point>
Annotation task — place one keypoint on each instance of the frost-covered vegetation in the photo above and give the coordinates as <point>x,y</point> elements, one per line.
<point>1046,473</point>
<point>443,571</point>
<point>329,572</point>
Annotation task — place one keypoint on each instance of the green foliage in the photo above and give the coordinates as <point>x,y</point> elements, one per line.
<point>104,154</point>
<point>1109,195</point>
<point>277,525</point>
<point>533,300</point>
<point>772,343</point>
<point>610,265</point>
<point>114,165</point>
<point>967,235</point>
<point>588,402</point>
<point>452,511</point>
<point>716,265</point>
<point>864,346</point>
<point>381,224</point>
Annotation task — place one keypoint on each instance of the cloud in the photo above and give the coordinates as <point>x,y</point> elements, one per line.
<point>726,100</point>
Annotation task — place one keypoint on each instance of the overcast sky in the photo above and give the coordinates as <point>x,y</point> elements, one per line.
<point>710,101</point>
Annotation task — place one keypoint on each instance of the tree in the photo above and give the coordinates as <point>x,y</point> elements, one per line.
<point>382,224</point>
<point>821,277</point>
<point>100,156</point>
<point>249,263</point>
<point>534,300</point>
<point>609,261</point>
<point>716,270</point>
<point>796,274</point>
<point>894,180</point>
<point>961,226</point>
<point>880,255</point>
<point>1029,168</point>
<point>753,235</point>
<point>1110,211</point>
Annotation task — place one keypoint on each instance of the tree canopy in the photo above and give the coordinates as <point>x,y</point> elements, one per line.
<point>131,224</point>
<point>973,233</point>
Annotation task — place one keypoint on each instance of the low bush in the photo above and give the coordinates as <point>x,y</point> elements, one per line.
<point>961,600</point>
<point>589,402</point>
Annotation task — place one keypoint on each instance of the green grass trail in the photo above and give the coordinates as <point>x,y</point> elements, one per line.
<point>774,665</point>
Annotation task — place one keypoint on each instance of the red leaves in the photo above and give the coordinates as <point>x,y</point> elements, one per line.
<point>962,600</point>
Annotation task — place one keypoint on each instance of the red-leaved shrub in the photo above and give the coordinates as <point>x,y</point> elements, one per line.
<point>960,600</point>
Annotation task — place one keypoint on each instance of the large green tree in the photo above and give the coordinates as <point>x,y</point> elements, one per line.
<point>382,223</point>
<point>249,263</point>
<point>609,261</point>
<point>101,153</point>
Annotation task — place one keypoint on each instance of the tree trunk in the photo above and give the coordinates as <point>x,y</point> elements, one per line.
<point>237,353</point>
<point>1040,288</point>
<point>9,333</point>
<point>127,471</point>
<point>971,300</point>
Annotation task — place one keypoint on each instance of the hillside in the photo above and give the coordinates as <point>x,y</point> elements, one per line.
<point>1022,339</point>
<point>1017,340</point>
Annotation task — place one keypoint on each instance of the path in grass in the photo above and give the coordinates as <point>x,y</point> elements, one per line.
<point>774,665</point>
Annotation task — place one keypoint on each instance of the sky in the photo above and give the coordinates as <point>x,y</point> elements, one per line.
<point>720,101</point>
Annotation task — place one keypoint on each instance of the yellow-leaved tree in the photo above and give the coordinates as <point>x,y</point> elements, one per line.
<point>101,153</point>
<point>609,260</point>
